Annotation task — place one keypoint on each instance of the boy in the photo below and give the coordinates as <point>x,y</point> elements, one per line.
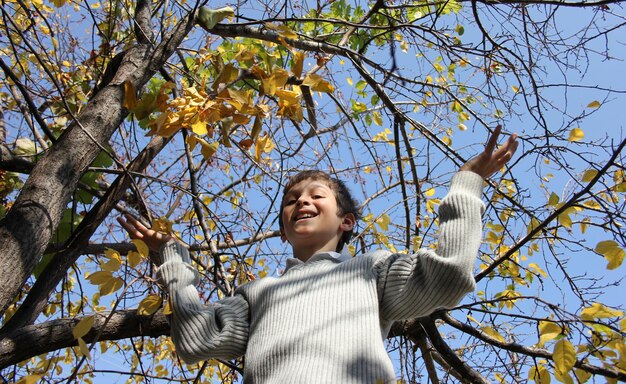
<point>325,319</point>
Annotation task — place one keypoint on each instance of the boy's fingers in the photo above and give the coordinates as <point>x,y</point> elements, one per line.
<point>493,140</point>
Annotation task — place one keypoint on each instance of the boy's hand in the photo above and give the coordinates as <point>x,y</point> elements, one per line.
<point>153,239</point>
<point>490,161</point>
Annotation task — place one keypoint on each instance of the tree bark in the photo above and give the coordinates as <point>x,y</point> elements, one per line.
<point>34,340</point>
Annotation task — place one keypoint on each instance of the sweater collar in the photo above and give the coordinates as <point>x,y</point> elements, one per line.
<point>333,256</point>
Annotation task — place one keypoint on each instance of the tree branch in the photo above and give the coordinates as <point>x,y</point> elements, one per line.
<point>33,340</point>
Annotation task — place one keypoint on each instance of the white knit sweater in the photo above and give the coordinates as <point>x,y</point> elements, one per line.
<point>325,320</point>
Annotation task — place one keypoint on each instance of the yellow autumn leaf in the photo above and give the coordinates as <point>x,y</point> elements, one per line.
<point>589,175</point>
<point>298,63</point>
<point>99,277</point>
<point>594,104</point>
<point>264,144</point>
<point>30,379</point>
<point>539,374</point>
<point>565,220</point>
<point>133,259</point>
<point>612,252</point>
<point>564,356</point>
<point>199,127</point>
<point>599,311</point>
<point>430,192</point>
<point>149,305</point>
<point>563,377</point>
<point>377,117</point>
<point>167,310</point>
<point>548,330</point>
<point>83,326</point>
<point>141,246</point>
<point>115,260</point>
<point>534,223</point>
<point>161,224</point>
<point>576,134</point>
<point>383,221</point>
<point>110,286</point>
<point>282,30</point>
<point>554,199</point>
<point>582,375</point>
<point>84,349</point>
<point>207,149</point>
<point>317,83</point>
<point>489,331</point>
<point>130,95</point>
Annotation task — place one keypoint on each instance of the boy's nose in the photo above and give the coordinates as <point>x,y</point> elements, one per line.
<point>302,201</point>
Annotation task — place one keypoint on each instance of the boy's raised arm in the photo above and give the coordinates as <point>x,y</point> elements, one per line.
<point>199,331</point>
<point>414,285</point>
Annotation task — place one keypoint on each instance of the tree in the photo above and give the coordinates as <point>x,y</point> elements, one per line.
<point>192,121</point>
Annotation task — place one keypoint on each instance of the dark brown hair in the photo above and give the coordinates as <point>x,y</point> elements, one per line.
<point>345,202</point>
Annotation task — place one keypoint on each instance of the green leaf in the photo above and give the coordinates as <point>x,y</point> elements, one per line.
<point>208,18</point>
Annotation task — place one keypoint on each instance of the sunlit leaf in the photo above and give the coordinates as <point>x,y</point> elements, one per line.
<point>548,330</point>
<point>149,305</point>
<point>582,375</point>
<point>199,127</point>
<point>554,199</point>
<point>84,349</point>
<point>167,309</point>
<point>383,221</point>
<point>83,326</point>
<point>594,104</point>
<point>563,377</point>
<point>264,144</point>
<point>612,252</point>
<point>599,311</point>
<point>298,62</point>
<point>576,134</point>
<point>490,331</point>
<point>208,18</point>
<point>130,95</point>
<point>25,147</point>
<point>30,379</point>
<point>161,224</point>
<point>133,258</point>
<point>564,356</point>
<point>99,277</point>
<point>539,374</point>
<point>115,260</point>
<point>589,175</point>
<point>110,286</point>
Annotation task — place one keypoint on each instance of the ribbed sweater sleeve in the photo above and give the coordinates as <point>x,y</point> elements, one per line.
<point>413,285</point>
<point>200,331</point>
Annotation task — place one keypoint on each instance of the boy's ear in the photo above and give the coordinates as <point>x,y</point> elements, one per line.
<point>283,237</point>
<point>348,222</point>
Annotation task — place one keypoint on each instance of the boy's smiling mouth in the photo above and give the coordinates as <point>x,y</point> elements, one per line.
<point>305,215</point>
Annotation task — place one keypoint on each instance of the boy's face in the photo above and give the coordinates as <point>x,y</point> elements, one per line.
<point>310,219</point>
